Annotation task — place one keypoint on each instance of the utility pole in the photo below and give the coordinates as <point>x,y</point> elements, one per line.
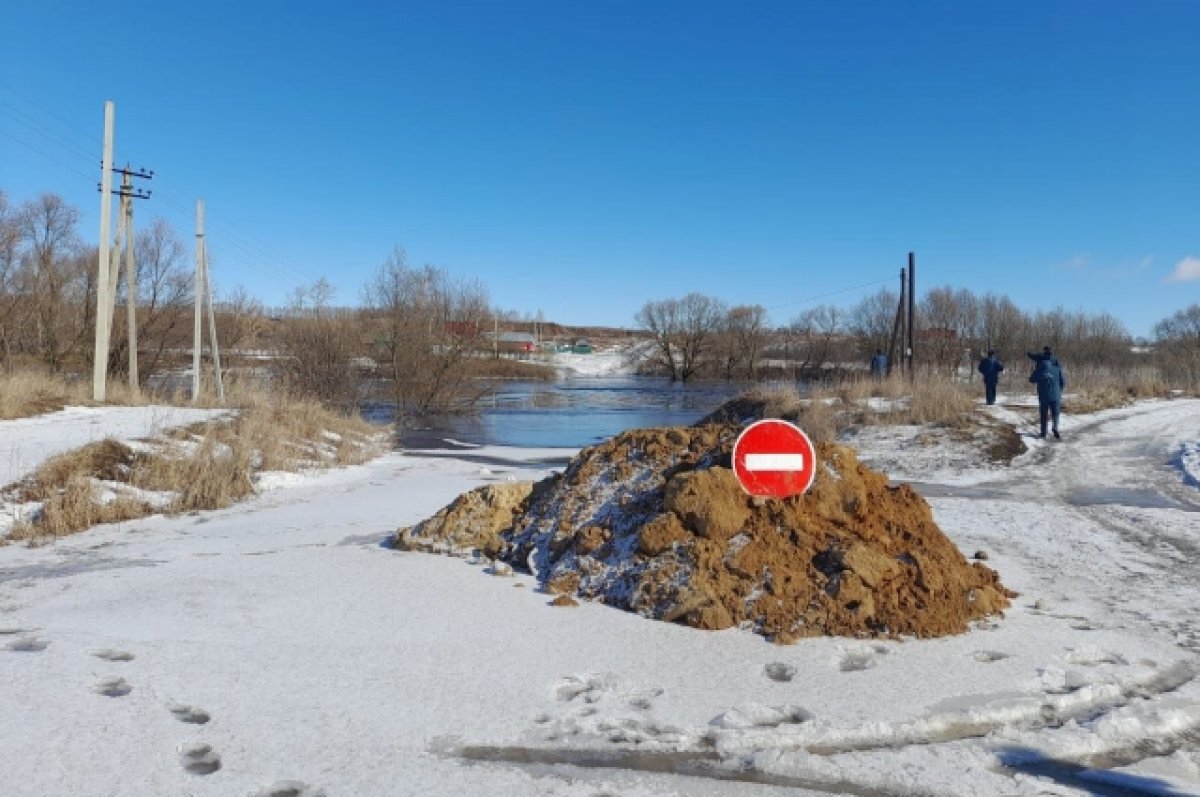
<point>199,292</point>
<point>100,352</point>
<point>212,332</point>
<point>203,299</point>
<point>897,330</point>
<point>912,313</point>
<point>128,194</point>
<point>109,265</point>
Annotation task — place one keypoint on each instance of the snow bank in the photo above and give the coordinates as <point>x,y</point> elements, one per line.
<point>27,442</point>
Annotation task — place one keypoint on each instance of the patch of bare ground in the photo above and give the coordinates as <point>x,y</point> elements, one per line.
<point>1006,444</point>
<point>204,466</point>
<point>653,521</point>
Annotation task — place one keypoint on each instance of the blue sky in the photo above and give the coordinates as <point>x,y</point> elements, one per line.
<point>580,158</point>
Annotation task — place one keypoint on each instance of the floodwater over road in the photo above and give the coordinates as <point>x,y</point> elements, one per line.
<point>570,412</point>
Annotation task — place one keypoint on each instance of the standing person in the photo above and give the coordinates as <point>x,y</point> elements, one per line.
<point>879,365</point>
<point>990,367</point>
<point>1048,376</point>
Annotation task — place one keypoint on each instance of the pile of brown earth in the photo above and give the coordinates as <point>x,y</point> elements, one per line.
<point>654,521</point>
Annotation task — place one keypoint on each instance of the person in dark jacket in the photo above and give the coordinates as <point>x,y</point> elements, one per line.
<point>1048,376</point>
<point>990,367</point>
<point>879,365</point>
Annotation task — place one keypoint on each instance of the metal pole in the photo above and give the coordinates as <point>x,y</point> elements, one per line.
<point>912,313</point>
<point>100,352</point>
<point>199,298</point>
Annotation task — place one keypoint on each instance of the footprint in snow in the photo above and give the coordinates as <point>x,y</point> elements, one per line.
<point>289,788</point>
<point>780,671</point>
<point>199,758</point>
<point>988,656</point>
<point>114,687</point>
<point>861,658</point>
<point>27,644</point>
<point>112,654</point>
<point>757,715</point>
<point>189,714</point>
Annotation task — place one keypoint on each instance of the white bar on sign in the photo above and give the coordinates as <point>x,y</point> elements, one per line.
<point>774,462</point>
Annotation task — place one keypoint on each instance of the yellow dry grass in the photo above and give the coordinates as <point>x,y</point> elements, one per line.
<point>1095,389</point>
<point>27,393</point>
<point>204,466</point>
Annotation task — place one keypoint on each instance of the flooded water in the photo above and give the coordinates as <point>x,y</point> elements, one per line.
<point>571,412</point>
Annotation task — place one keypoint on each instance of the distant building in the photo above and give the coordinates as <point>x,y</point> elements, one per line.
<point>518,344</point>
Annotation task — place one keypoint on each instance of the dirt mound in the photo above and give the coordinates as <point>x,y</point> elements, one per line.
<point>654,521</point>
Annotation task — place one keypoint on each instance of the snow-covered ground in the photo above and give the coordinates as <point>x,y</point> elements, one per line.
<point>613,361</point>
<point>27,442</point>
<point>276,648</point>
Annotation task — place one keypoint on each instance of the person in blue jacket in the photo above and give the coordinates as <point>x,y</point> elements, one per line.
<point>990,367</point>
<point>879,365</point>
<point>1048,376</point>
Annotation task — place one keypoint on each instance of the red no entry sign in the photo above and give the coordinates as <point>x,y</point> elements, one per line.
<point>774,459</point>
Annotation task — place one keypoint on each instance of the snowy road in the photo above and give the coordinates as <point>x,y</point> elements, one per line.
<point>276,648</point>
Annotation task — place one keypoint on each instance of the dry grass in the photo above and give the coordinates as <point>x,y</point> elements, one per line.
<point>27,393</point>
<point>821,418</point>
<point>1092,390</point>
<point>508,368</point>
<point>205,466</point>
<point>939,402</point>
<point>33,392</point>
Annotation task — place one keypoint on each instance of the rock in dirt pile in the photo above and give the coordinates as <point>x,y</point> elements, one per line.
<point>654,521</point>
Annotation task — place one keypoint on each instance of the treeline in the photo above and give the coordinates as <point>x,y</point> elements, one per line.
<point>416,338</point>
<point>48,293</point>
<point>420,335</point>
<point>699,336</point>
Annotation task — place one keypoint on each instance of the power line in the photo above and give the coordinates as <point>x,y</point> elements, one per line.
<point>831,293</point>
<point>89,137</point>
<point>259,261</point>
<point>48,157</point>
<point>28,121</point>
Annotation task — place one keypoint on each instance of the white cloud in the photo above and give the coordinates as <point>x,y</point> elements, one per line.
<point>1186,270</point>
<point>1084,264</point>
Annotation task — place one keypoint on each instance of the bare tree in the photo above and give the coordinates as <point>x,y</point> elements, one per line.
<point>661,320</point>
<point>431,328</point>
<point>872,321</point>
<point>242,320</point>
<point>683,330</point>
<point>1177,340</point>
<point>317,361</point>
<point>947,320</point>
<point>743,335</point>
<point>816,332</point>
<point>164,302</point>
<point>10,237</point>
<point>1001,326</point>
<point>54,274</point>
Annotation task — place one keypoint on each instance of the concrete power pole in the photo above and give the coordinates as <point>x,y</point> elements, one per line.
<point>125,232</point>
<point>212,333</point>
<point>203,298</point>
<point>100,352</point>
<point>131,293</point>
<point>199,291</point>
